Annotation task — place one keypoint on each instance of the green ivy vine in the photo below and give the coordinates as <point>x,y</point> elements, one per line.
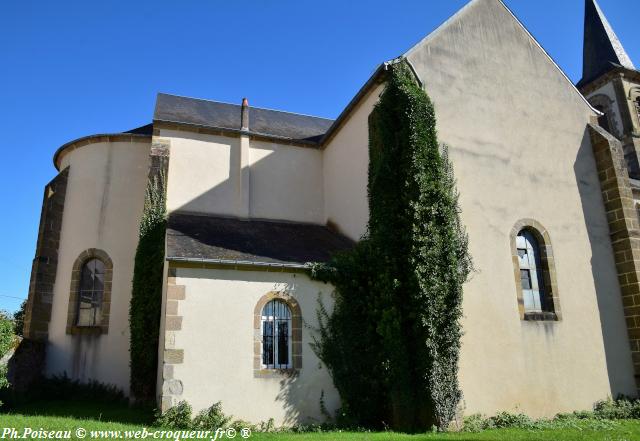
<point>146,296</point>
<point>392,341</point>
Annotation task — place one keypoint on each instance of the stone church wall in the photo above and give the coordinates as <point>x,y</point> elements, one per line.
<point>517,132</point>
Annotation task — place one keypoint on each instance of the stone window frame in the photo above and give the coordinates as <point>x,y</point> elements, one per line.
<point>549,279</point>
<point>602,100</point>
<point>296,336</point>
<point>72,311</point>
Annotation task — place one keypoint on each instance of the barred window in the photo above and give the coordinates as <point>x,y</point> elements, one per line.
<point>91,293</point>
<point>276,335</point>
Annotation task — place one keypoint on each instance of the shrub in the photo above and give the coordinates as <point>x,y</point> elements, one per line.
<point>177,417</point>
<point>512,420</point>
<point>7,338</point>
<point>620,409</point>
<point>211,418</point>
<point>506,420</point>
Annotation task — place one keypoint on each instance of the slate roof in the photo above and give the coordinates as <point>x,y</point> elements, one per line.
<point>602,50</point>
<point>270,123</point>
<point>253,242</point>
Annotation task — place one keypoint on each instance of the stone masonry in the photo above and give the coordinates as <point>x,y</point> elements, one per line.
<point>45,263</point>
<point>171,355</point>
<point>624,229</point>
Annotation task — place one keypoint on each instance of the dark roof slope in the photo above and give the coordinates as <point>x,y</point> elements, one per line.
<point>270,123</point>
<point>227,240</point>
<point>602,49</point>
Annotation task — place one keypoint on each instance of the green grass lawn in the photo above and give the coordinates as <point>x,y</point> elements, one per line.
<point>67,415</point>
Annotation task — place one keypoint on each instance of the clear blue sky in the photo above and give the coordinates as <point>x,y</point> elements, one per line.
<point>75,68</point>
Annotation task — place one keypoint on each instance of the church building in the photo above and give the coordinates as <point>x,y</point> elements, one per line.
<point>549,181</point>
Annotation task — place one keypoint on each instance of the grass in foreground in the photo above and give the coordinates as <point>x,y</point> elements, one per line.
<point>66,415</point>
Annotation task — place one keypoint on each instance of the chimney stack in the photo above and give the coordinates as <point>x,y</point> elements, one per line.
<point>245,114</point>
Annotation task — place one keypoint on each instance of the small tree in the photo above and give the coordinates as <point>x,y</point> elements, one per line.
<point>6,343</point>
<point>18,318</point>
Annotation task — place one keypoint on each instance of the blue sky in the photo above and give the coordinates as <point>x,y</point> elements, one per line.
<point>72,68</point>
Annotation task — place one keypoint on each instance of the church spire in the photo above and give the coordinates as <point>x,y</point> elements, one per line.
<point>602,49</point>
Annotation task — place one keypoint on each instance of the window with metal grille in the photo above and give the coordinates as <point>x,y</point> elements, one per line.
<point>90,293</point>
<point>637,103</point>
<point>276,335</point>
<point>530,272</point>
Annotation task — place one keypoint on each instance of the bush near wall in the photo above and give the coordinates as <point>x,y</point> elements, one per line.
<point>392,343</point>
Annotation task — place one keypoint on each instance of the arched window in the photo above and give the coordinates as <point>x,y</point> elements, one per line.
<point>276,335</point>
<point>91,293</point>
<point>536,284</point>
<point>637,103</point>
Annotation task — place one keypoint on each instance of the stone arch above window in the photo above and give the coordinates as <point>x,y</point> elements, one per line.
<point>534,271</point>
<point>261,369</point>
<point>95,263</point>
<point>605,105</point>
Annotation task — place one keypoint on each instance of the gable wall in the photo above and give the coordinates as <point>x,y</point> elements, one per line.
<point>517,135</point>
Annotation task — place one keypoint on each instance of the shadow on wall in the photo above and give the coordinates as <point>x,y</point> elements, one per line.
<point>301,395</point>
<point>612,322</point>
<point>272,192</point>
<point>271,179</point>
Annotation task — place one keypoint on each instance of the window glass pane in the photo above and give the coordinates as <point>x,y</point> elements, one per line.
<point>276,317</point>
<point>267,343</point>
<point>525,279</point>
<point>283,343</point>
<point>86,278</point>
<point>91,293</point>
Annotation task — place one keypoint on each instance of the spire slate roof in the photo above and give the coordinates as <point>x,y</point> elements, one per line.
<point>602,49</point>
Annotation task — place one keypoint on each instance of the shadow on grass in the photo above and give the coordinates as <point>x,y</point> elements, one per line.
<point>116,412</point>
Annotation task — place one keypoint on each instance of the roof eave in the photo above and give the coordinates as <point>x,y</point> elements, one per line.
<point>204,262</point>
<point>239,132</point>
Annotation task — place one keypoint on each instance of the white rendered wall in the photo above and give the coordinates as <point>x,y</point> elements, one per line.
<point>345,170</point>
<point>517,134</point>
<point>104,201</point>
<point>217,337</point>
<point>208,174</point>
